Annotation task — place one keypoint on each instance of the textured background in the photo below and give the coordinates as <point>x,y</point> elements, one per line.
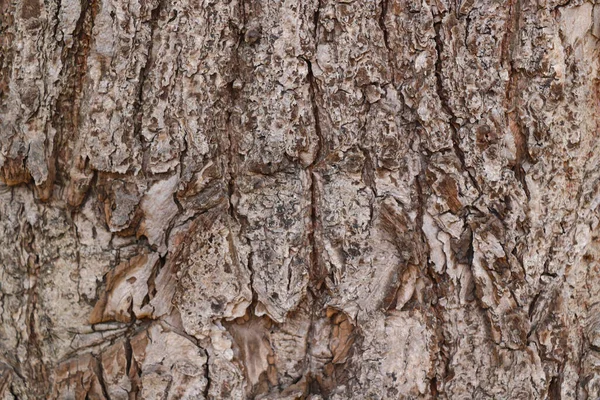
<point>299,199</point>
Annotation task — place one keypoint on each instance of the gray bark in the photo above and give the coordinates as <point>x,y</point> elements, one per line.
<point>299,199</point>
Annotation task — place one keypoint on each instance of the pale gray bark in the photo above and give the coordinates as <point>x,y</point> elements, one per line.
<point>299,199</point>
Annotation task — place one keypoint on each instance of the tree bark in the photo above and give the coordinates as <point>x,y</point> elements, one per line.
<point>299,199</point>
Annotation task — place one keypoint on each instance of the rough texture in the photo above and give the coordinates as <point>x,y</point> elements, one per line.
<point>299,199</point>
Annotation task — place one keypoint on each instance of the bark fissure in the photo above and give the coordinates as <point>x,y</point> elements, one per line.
<point>313,87</point>
<point>381,21</point>
<point>99,370</point>
<point>143,76</point>
<point>452,123</point>
<point>513,95</point>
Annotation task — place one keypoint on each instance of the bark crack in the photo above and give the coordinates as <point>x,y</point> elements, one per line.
<point>509,48</point>
<point>207,375</point>
<point>312,88</point>
<point>444,101</point>
<point>317,274</point>
<point>143,76</point>
<point>381,21</point>
<point>99,371</point>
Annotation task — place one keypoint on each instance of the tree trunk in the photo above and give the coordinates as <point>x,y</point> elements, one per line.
<point>299,199</point>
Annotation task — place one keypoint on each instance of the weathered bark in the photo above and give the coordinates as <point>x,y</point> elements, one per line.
<point>369,199</point>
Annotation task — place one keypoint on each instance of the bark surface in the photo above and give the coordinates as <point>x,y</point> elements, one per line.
<point>299,199</point>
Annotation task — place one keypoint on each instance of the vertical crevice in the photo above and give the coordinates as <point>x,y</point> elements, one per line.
<point>381,21</point>
<point>143,76</point>
<point>207,376</point>
<point>232,92</point>
<point>312,89</point>
<point>11,390</point>
<point>554,389</point>
<point>133,372</point>
<point>317,271</point>
<point>316,275</point>
<point>445,103</point>
<point>510,45</point>
<point>99,372</point>
<point>37,368</point>
<point>65,116</point>
<point>128,355</point>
